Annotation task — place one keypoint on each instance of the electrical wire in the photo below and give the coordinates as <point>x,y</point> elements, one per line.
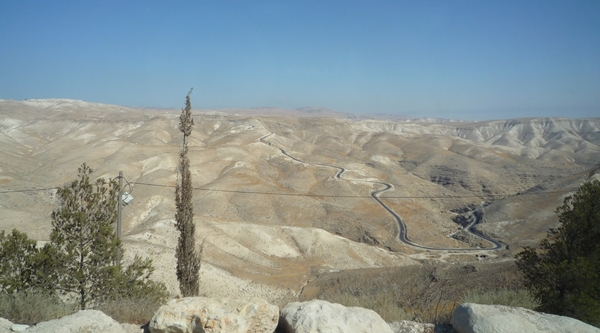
<point>29,190</point>
<point>127,184</point>
<point>356,196</point>
<point>131,186</point>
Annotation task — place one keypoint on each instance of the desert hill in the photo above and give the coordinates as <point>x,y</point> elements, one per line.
<point>268,200</point>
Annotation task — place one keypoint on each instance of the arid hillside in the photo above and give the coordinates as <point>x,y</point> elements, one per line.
<point>282,195</point>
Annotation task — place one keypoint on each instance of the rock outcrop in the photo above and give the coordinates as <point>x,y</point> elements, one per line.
<point>477,318</point>
<point>322,316</point>
<point>227,315</point>
<point>84,321</point>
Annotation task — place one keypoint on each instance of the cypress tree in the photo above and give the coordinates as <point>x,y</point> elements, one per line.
<point>188,257</point>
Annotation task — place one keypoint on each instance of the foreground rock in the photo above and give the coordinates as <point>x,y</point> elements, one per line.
<point>5,325</point>
<point>84,321</point>
<point>477,318</point>
<point>19,327</point>
<point>226,315</point>
<point>322,316</point>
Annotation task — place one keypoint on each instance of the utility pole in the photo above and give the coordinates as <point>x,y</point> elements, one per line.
<point>119,207</point>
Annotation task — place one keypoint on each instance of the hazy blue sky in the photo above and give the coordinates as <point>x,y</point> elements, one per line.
<point>455,59</point>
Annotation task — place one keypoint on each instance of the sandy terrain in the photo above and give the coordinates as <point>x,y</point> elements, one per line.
<point>270,222</point>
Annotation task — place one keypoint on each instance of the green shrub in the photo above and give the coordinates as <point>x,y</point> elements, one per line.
<point>79,263</point>
<point>564,272</point>
<point>22,264</point>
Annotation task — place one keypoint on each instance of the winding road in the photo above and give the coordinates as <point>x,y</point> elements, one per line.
<point>403,231</point>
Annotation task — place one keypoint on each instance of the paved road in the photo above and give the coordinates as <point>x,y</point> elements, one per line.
<point>403,231</point>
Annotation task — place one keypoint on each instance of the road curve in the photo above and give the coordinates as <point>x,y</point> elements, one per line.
<point>402,229</point>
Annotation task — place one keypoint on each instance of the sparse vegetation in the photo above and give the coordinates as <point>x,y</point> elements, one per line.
<point>133,310</point>
<point>86,245</point>
<point>427,293</point>
<point>188,255</point>
<point>508,297</point>
<point>23,266</point>
<point>78,265</point>
<point>33,307</point>
<point>564,273</point>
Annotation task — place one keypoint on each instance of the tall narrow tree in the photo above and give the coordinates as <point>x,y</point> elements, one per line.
<point>188,256</point>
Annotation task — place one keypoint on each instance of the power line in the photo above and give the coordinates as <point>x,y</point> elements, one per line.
<point>308,194</point>
<point>352,196</point>
<point>29,190</point>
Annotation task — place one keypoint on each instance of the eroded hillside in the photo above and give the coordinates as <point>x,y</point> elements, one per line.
<point>268,201</point>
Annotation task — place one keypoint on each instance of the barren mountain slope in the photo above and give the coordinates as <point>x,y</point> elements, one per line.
<point>268,202</point>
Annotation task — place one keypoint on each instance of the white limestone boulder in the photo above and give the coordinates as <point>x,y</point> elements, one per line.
<point>19,327</point>
<point>84,321</point>
<point>322,316</point>
<point>477,318</point>
<point>226,315</point>
<point>5,325</point>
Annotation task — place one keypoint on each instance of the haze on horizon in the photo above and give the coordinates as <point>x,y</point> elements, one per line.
<point>459,59</point>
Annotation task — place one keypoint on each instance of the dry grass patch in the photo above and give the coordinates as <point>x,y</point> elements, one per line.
<point>426,293</point>
<point>33,307</point>
<point>131,310</point>
<point>514,297</point>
